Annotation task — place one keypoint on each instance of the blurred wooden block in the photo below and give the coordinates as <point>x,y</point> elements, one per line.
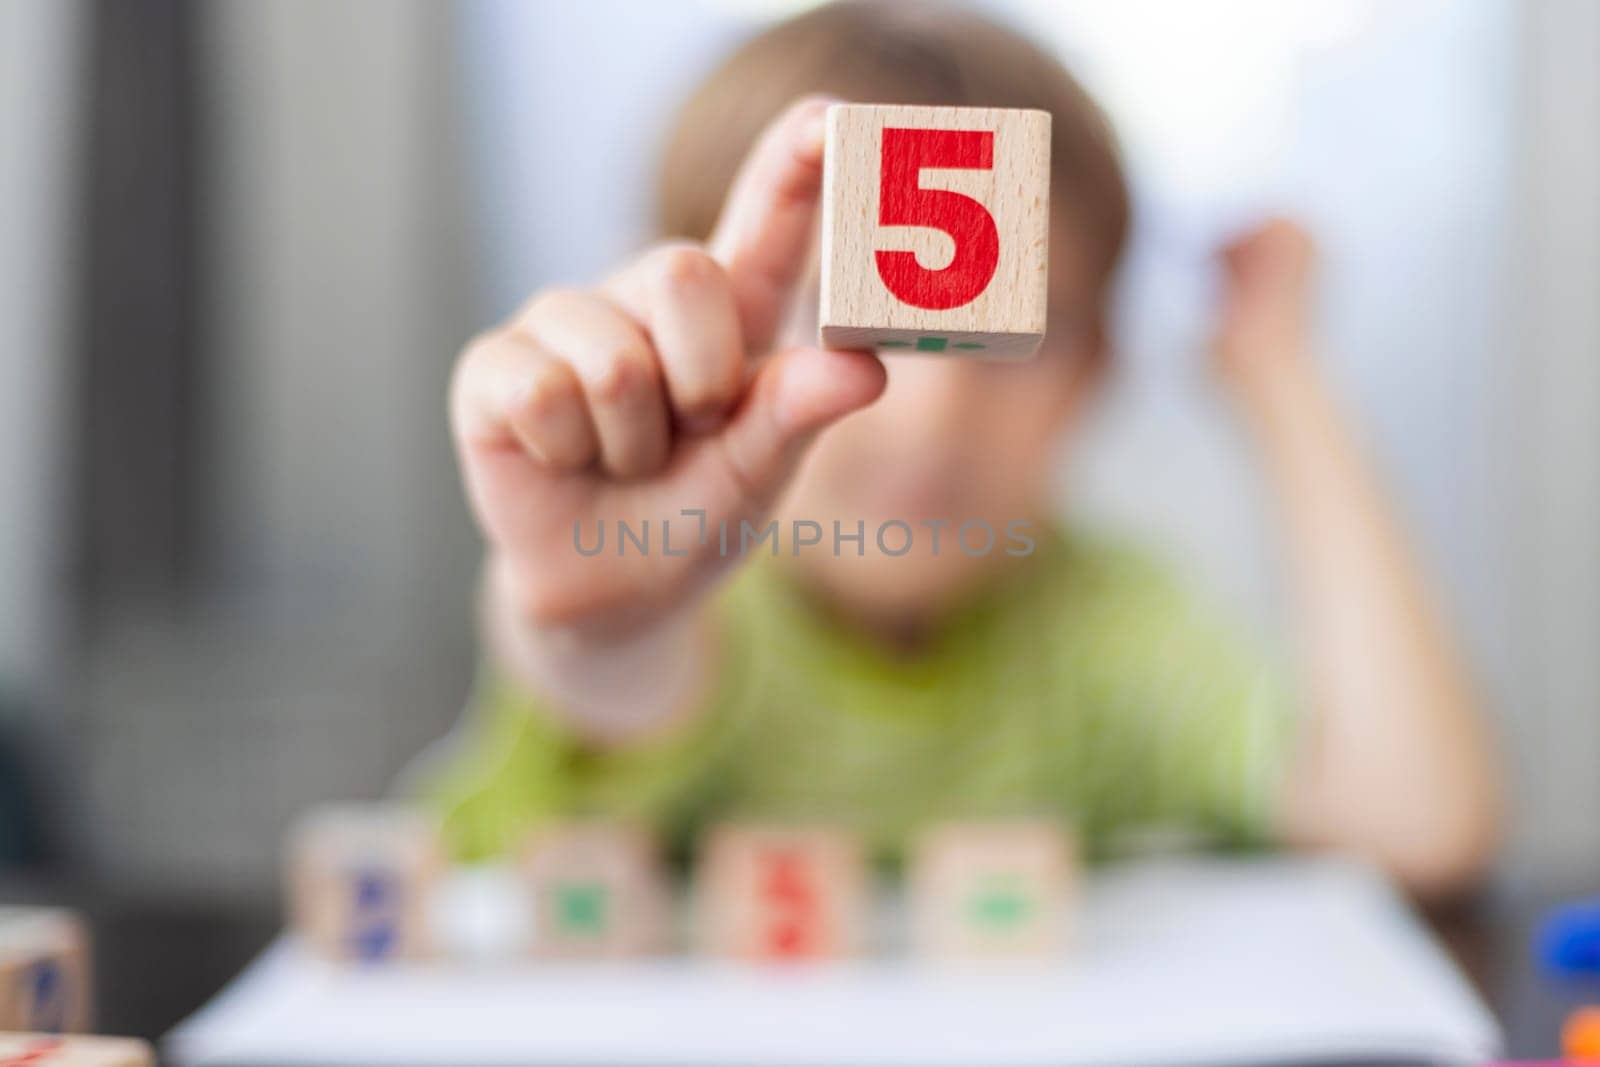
<point>360,881</point>
<point>48,1050</point>
<point>778,892</point>
<point>992,890</point>
<point>597,890</point>
<point>936,230</point>
<point>44,971</point>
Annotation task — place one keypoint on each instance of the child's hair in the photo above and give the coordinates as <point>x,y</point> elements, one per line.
<point>881,51</point>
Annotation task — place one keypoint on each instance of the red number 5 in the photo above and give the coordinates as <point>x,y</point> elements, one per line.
<point>903,202</point>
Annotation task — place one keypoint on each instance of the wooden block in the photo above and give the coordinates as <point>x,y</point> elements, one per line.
<point>597,889</point>
<point>781,892</point>
<point>936,230</point>
<point>991,890</point>
<point>49,1050</point>
<point>360,882</point>
<point>44,971</point>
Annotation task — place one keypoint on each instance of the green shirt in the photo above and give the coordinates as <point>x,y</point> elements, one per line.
<point>1085,685</point>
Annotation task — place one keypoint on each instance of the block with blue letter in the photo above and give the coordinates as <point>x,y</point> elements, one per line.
<point>361,882</point>
<point>44,971</point>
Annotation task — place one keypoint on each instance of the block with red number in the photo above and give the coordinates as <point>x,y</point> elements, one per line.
<point>597,889</point>
<point>781,892</point>
<point>44,971</point>
<point>361,880</point>
<point>992,890</point>
<point>49,1050</point>
<point>935,229</point>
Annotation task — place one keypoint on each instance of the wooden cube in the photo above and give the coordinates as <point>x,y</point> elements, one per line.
<point>936,230</point>
<point>781,892</point>
<point>49,1050</point>
<point>44,971</point>
<point>992,890</point>
<point>597,889</point>
<point>361,881</point>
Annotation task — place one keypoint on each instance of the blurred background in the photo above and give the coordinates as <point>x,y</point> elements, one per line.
<point>241,242</point>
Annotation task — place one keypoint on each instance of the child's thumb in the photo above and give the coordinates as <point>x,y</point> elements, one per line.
<point>797,394</point>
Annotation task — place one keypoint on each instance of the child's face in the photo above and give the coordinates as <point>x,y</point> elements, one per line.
<point>952,440</point>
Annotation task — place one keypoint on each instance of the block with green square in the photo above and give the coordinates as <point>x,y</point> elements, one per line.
<point>930,343</point>
<point>1000,904</point>
<point>579,907</point>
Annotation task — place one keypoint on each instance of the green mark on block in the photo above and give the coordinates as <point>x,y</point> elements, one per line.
<point>932,344</point>
<point>580,908</point>
<point>997,906</point>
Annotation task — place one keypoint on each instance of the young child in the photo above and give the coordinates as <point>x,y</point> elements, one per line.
<point>849,681</point>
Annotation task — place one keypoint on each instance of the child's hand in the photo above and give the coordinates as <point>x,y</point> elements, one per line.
<point>1265,299</point>
<point>1393,721</point>
<point>648,395</point>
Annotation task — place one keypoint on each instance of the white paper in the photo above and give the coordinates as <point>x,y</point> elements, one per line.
<point>1176,962</point>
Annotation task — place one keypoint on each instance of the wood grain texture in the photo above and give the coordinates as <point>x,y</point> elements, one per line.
<point>360,881</point>
<point>992,890</point>
<point>859,307</point>
<point>596,890</point>
<point>47,1050</point>
<point>45,973</point>
<point>781,892</point>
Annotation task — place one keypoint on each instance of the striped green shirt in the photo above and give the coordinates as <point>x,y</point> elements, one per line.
<point>1085,685</point>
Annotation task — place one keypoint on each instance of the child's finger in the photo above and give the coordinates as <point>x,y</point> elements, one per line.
<point>797,394</point>
<point>685,300</point>
<point>618,371</point>
<point>768,221</point>
<point>507,393</point>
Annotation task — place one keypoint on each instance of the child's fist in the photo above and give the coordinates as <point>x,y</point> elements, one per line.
<point>655,392</point>
<point>1266,293</point>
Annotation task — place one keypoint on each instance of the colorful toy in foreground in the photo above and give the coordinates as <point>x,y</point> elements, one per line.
<point>1569,939</point>
<point>1580,1036</point>
<point>935,230</point>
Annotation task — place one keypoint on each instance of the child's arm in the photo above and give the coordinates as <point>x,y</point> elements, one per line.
<point>634,401</point>
<point>1395,761</point>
